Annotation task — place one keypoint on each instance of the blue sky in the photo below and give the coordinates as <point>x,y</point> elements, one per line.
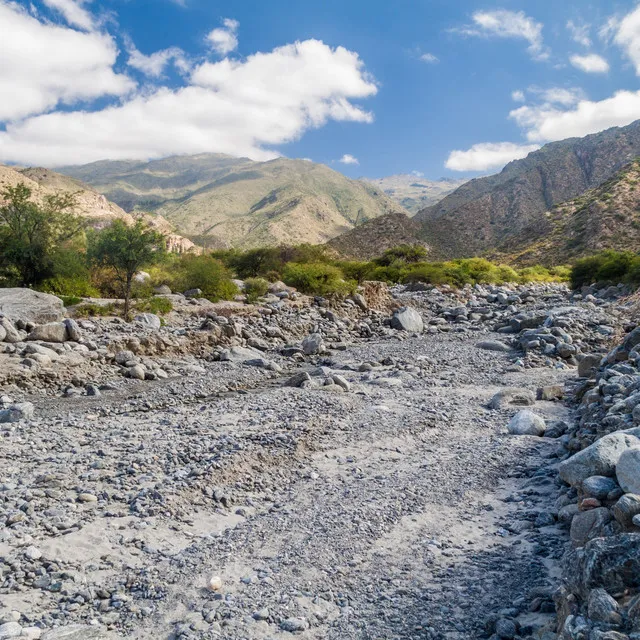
<point>439,87</point>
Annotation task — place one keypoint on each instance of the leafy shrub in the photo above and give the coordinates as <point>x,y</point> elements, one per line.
<point>358,271</point>
<point>205,273</point>
<point>606,266</point>
<point>255,288</point>
<point>404,254</point>
<point>317,279</point>
<point>70,301</point>
<point>157,305</point>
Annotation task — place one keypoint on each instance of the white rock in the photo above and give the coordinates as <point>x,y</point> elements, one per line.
<point>527,423</point>
<point>215,583</point>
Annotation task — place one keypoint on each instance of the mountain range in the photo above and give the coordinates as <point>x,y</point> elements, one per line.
<point>414,192</point>
<point>506,213</point>
<point>220,201</point>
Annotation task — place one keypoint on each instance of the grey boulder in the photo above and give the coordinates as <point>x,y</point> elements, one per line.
<point>149,320</point>
<point>30,306</point>
<point>493,345</point>
<point>628,470</point>
<point>17,412</point>
<point>527,423</point>
<point>407,319</point>
<point>312,344</point>
<point>588,525</point>
<point>512,396</point>
<point>11,333</point>
<point>50,332</point>
<point>599,459</point>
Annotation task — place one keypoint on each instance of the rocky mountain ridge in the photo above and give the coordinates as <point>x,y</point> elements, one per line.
<point>607,217</point>
<point>221,201</point>
<point>506,214</point>
<point>488,212</point>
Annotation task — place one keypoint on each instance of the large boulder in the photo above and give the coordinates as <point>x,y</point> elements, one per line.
<point>493,345</point>
<point>626,507</point>
<point>239,354</point>
<point>50,332</point>
<point>17,412</point>
<point>30,306</point>
<point>628,470</point>
<point>527,423</point>
<point>77,632</point>
<point>599,459</point>
<point>611,563</point>
<point>407,319</point>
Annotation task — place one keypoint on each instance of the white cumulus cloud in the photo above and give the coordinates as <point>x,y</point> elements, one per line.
<point>224,40</point>
<point>488,155</point>
<point>73,12</point>
<point>627,37</point>
<point>347,158</point>
<point>237,107</point>
<point>52,65</point>
<point>590,63</point>
<point>503,23</point>
<point>546,123</point>
<point>154,64</point>
<point>518,96</point>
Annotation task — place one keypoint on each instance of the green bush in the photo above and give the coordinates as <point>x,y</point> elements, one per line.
<point>157,305</point>
<point>255,288</point>
<point>90,310</point>
<point>317,279</point>
<point>607,266</point>
<point>403,254</point>
<point>358,271</point>
<point>70,301</point>
<point>205,273</point>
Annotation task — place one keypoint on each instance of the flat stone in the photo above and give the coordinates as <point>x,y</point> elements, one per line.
<point>493,345</point>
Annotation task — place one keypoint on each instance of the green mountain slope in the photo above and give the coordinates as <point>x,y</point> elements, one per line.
<point>222,201</point>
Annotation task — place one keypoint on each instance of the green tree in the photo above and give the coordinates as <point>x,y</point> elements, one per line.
<point>32,233</point>
<point>126,249</point>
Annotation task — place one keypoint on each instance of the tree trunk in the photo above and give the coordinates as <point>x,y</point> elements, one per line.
<point>127,297</point>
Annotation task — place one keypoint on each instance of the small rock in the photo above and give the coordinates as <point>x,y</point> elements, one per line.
<point>215,583</point>
<point>293,625</point>
<point>493,345</point>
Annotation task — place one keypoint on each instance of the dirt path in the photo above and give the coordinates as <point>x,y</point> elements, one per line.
<point>398,510</point>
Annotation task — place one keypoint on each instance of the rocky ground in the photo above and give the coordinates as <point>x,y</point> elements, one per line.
<point>296,468</point>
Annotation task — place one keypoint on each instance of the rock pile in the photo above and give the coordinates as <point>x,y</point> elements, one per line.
<point>600,596</point>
